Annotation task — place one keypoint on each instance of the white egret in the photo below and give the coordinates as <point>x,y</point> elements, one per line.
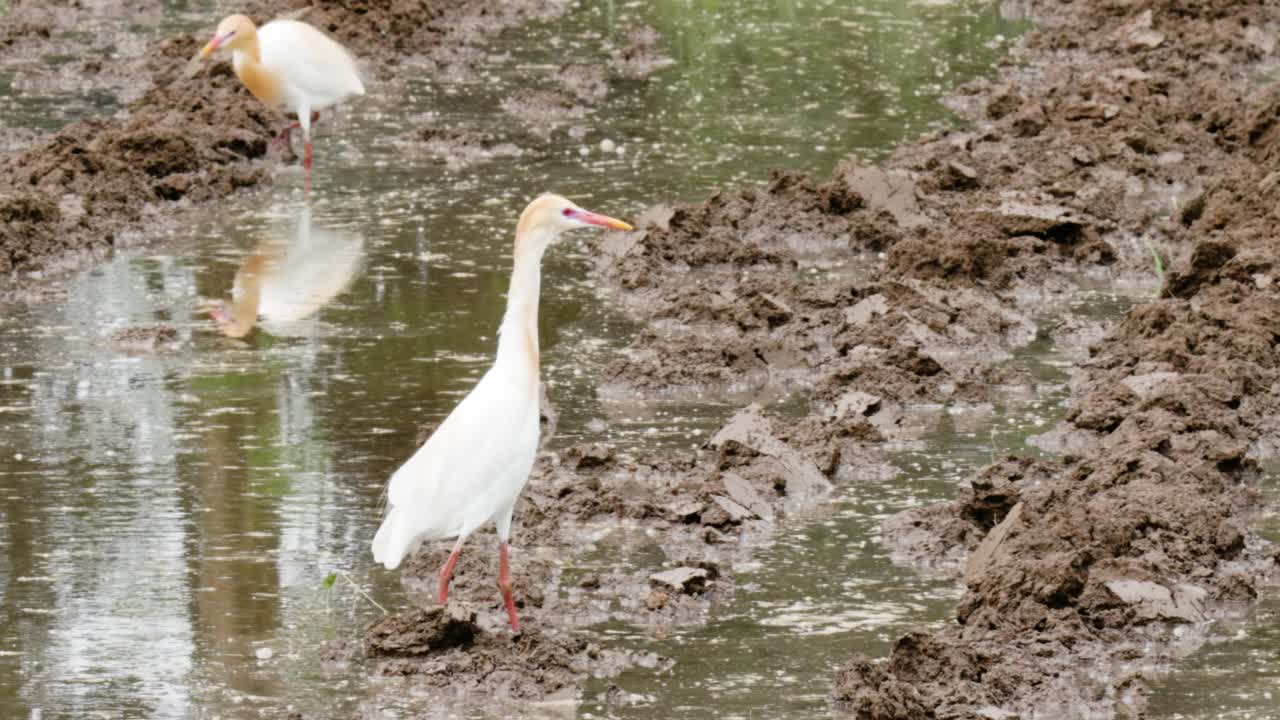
<point>290,64</point>
<point>472,469</point>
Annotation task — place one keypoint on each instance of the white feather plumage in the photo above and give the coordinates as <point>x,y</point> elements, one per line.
<point>317,72</point>
<point>472,469</point>
<point>290,64</point>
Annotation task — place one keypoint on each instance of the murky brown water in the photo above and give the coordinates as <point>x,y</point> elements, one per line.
<point>169,517</point>
<point>51,93</point>
<point>1236,676</point>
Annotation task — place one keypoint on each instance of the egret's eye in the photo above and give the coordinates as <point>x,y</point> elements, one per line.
<point>567,212</point>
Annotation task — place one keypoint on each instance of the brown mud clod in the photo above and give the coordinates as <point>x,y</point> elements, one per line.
<point>446,648</point>
<point>183,139</point>
<point>1124,128</point>
<point>1141,526</point>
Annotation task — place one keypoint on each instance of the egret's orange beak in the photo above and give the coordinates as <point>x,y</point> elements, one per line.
<point>597,219</point>
<point>213,45</point>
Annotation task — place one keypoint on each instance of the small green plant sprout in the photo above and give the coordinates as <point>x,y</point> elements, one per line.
<point>1155,256</point>
<point>331,580</point>
<point>1157,262</point>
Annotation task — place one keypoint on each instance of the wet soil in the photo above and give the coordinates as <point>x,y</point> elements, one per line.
<point>1119,129</point>
<point>641,56</point>
<point>1140,531</point>
<point>145,338</point>
<point>459,148</point>
<point>1122,130</point>
<point>556,105</point>
<point>701,509</point>
<point>448,648</point>
<point>189,134</point>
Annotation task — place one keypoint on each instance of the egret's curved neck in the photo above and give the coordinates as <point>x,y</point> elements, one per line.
<point>246,297</point>
<point>248,48</point>
<point>519,333</point>
<point>261,80</point>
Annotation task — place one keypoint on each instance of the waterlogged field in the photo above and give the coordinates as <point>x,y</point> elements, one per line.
<point>187,523</point>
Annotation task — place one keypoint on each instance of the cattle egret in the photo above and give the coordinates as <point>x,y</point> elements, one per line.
<point>474,466</point>
<point>289,64</point>
<point>285,281</point>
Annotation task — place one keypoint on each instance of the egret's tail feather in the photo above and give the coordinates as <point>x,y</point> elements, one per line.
<point>390,544</point>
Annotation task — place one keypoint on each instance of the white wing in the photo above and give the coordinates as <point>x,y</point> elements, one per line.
<point>313,65</point>
<point>470,471</point>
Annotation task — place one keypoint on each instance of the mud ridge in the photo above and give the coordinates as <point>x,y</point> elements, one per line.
<point>706,511</point>
<point>1139,535</point>
<point>885,289</point>
<point>185,140</point>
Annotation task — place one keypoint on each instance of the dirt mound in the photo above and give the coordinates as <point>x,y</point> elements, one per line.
<point>747,269</point>
<point>1103,555</point>
<point>446,648</point>
<point>145,338</point>
<point>542,112</point>
<point>640,57</point>
<point>187,139</point>
<point>460,148</point>
<point>589,83</point>
<point>106,175</point>
<point>1095,562</point>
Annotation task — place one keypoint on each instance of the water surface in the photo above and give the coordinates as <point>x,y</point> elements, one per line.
<point>168,517</point>
<point>1236,675</point>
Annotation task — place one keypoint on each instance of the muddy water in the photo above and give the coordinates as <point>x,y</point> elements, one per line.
<point>48,92</point>
<point>169,515</point>
<point>828,589</point>
<point>1236,675</point>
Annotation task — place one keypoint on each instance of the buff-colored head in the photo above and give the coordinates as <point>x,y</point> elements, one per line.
<point>234,32</point>
<point>549,215</point>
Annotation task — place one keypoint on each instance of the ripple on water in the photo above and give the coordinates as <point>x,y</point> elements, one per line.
<point>182,508</point>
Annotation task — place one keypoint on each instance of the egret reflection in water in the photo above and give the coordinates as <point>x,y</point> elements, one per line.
<point>286,280</point>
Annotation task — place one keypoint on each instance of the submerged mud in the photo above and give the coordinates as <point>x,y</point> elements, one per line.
<point>184,137</point>
<point>705,511</point>
<point>1137,122</point>
<point>1123,131</point>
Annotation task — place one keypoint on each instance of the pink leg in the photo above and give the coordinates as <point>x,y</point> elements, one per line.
<point>306,162</point>
<point>504,584</point>
<point>295,125</point>
<point>446,572</point>
<point>286,134</point>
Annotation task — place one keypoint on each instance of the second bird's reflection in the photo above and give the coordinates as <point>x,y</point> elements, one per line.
<point>286,280</point>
